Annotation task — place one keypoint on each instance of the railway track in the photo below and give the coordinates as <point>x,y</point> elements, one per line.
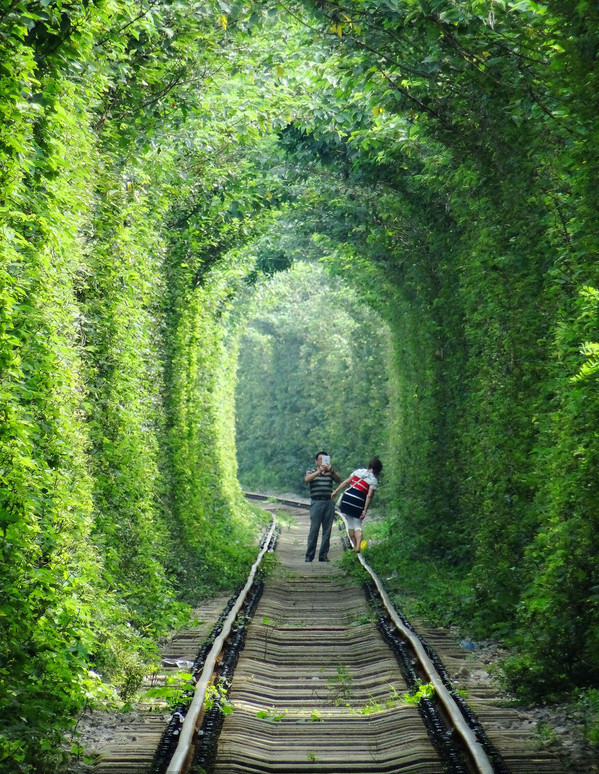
<point>320,683</point>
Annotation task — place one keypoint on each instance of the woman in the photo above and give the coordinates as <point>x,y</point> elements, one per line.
<point>355,501</point>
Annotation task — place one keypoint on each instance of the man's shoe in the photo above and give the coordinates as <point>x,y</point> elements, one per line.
<point>324,560</point>
<point>307,560</point>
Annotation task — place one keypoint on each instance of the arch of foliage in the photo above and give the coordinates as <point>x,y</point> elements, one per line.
<point>447,150</point>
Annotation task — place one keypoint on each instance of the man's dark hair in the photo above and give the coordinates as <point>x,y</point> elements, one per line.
<point>375,465</point>
<point>319,453</point>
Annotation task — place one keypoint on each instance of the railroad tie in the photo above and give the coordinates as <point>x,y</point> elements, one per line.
<point>316,689</point>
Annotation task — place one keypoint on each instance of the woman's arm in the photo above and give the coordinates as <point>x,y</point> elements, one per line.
<point>367,503</point>
<point>342,485</point>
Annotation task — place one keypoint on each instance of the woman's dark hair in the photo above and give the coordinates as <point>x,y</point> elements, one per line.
<point>375,465</point>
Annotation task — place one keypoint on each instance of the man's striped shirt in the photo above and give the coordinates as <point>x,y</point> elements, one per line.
<point>321,486</point>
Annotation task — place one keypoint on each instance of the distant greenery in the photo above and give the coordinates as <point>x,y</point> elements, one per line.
<point>311,376</point>
<point>158,161</point>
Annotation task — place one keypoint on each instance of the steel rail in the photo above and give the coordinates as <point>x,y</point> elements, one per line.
<point>475,749</point>
<point>283,500</point>
<point>182,754</point>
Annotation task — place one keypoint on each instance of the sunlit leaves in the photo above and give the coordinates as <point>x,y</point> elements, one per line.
<point>441,156</point>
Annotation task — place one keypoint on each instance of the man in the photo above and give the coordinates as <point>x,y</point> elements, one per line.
<point>322,508</point>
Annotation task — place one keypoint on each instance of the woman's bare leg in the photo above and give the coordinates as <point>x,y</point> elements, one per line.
<point>358,534</point>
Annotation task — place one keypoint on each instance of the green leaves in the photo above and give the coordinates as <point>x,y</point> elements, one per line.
<point>272,714</point>
<point>589,349</point>
<point>310,351</point>
<point>88,556</point>
<point>424,691</point>
<point>441,157</point>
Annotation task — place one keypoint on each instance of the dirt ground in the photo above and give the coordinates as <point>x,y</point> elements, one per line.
<point>557,728</point>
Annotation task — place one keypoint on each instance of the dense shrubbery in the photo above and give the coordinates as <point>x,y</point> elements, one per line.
<point>156,160</point>
<point>114,507</point>
<point>473,184</point>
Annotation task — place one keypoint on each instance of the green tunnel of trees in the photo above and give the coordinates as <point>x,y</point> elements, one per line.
<point>159,160</point>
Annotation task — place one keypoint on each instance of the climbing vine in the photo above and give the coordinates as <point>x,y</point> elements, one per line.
<point>157,161</point>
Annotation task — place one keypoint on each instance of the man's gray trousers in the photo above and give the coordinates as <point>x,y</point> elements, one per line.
<point>322,514</point>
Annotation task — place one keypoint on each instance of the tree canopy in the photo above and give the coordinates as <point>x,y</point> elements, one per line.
<point>159,160</point>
